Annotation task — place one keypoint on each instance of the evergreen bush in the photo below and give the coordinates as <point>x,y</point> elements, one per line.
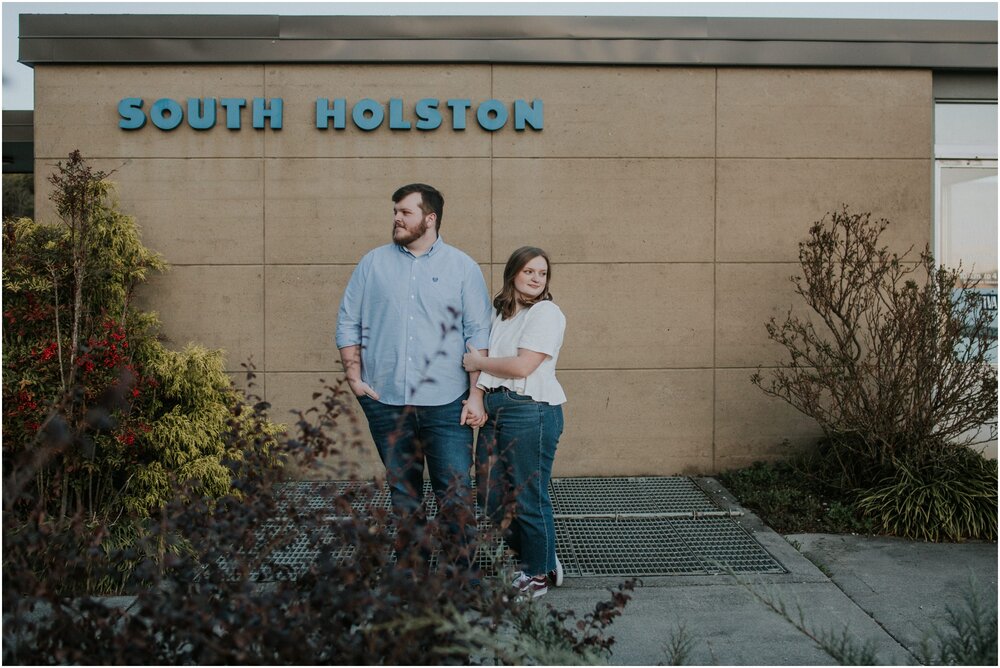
<point>18,195</point>
<point>73,340</point>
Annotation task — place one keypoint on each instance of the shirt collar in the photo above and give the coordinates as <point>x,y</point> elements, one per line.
<point>438,243</point>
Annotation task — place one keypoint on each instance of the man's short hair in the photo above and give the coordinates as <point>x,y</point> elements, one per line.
<point>432,200</point>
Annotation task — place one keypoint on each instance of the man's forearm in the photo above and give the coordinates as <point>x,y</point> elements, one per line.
<point>474,382</point>
<point>350,357</point>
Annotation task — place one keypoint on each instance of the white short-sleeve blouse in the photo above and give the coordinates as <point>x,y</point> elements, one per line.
<point>539,328</point>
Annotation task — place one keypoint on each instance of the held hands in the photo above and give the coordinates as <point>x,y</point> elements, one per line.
<point>473,412</point>
<point>362,389</point>
<point>471,360</point>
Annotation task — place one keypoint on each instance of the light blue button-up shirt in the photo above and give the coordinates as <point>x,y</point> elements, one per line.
<point>412,317</point>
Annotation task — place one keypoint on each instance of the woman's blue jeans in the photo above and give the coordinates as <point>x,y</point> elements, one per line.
<point>514,456</point>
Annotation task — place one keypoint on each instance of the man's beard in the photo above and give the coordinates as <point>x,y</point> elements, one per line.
<point>403,237</point>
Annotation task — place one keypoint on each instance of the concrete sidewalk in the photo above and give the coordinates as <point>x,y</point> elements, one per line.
<point>886,591</point>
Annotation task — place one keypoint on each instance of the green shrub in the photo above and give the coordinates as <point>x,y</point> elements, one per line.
<point>787,496</point>
<point>949,497</point>
<point>18,195</point>
<point>73,342</point>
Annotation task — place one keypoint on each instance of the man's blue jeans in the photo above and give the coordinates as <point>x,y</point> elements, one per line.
<point>514,456</point>
<point>405,437</point>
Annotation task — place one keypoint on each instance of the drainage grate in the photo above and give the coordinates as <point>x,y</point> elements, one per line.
<point>640,526</point>
<point>310,496</point>
<point>724,545</point>
<point>596,496</point>
<point>623,547</point>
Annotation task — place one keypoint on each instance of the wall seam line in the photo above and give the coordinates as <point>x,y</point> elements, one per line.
<point>263,249</point>
<point>715,273</point>
<point>492,158</point>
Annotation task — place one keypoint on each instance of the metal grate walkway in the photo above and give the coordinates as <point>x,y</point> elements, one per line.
<point>642,526</point>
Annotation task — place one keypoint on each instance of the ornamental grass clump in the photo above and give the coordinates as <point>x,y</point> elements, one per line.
<point>945,498</point>
<point>895,364</point>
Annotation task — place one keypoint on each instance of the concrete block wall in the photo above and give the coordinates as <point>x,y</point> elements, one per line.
<point>672,201</point>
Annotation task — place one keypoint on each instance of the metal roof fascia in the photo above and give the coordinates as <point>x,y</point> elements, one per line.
<point>978,86</point>
<point>149,51</point>
<point>144,39</point>
<point>490,27</point>
<point>502,27</point>
<point>100,26</point>
<point>18,125</point>
<point>855,30</point>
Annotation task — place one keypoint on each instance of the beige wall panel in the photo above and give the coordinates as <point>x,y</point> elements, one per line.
<point>747,296</point>
<point>332,210</point>
<point>636,423</point>
<point>605,210</point>
<point>301,85</point>
<point>610,111</point>
<point>492,284</point>
<point>190,211</point>
<point>213,306</point>
<point>77,108</point>
<point>751,426</point>
<point>765,207</point>
<point>293,391</point>
<point>829,113</point>
<point>301,304</point>
<point>633,316</point>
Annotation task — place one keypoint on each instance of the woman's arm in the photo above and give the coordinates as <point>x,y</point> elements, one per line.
<point>504,367</point>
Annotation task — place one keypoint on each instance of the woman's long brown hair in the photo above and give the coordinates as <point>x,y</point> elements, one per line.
<point>505,301</point>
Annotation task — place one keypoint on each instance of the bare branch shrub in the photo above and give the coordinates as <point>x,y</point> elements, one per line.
<point>895,363</point>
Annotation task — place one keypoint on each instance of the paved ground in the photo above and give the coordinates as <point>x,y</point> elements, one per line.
<point>885,591</point>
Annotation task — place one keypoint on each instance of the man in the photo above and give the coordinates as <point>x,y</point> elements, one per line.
<point>406,316</point>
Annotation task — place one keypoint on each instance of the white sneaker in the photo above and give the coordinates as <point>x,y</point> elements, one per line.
<point>557,575</point>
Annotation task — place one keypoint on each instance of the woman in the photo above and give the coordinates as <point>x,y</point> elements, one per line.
<point>524,419</point>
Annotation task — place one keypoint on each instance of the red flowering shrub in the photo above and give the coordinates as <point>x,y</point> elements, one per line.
<point>73,345</point>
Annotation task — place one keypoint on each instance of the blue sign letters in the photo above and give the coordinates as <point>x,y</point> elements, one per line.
<point>367,114</point>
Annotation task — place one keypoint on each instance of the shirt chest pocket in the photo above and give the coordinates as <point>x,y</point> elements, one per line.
<point>439,298</point>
